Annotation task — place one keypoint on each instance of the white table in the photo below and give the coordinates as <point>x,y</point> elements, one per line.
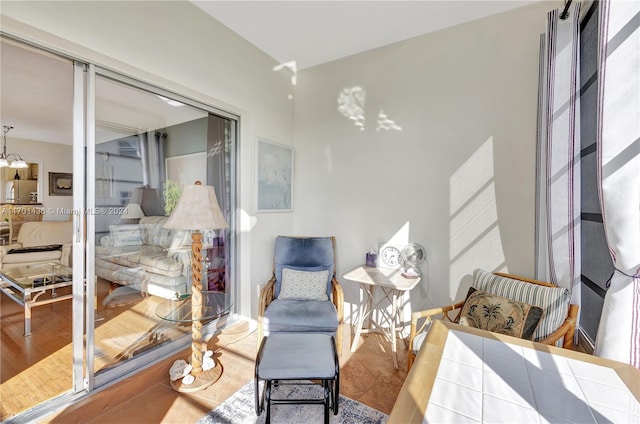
<point>464,374</point>
<point>393,286</point>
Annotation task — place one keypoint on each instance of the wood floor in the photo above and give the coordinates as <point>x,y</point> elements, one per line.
<point>366,375</point>
<point>37,368</point>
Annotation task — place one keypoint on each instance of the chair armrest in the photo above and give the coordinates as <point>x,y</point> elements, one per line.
<point>5,249</point>
<point>565,331</point>
<point>106,241</point>
<point>443,311</point>
<point>266,296</point>
<point>338,299</point>
<point>65,255</point>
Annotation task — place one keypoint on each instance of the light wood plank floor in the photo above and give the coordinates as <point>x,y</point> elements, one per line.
<point>366,375</point>
<point>36,368</point>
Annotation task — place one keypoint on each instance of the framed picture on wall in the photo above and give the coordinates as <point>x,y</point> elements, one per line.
<point>60,184</point>
<point>187,169</point>
<point>274,175</point>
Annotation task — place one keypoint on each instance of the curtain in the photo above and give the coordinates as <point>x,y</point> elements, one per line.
<point>219,177</point>
<point>619,176</point>
<point>558,162</point>
<point>143,145</point>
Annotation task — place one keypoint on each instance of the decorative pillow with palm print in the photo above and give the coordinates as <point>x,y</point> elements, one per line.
<point>499,314</point>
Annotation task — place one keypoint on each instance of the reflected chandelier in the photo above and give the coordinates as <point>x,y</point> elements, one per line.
<point>16,160</point>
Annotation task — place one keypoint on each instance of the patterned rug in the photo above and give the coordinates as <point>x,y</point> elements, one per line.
<point>240,409</point>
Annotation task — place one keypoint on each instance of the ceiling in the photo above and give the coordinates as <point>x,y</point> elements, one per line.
<point>315,32</point>
<point>37,100</point>
<point>37,88</point>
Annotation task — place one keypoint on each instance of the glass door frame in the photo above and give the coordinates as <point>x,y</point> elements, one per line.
<point>91,380</point>
<point>79,134</point>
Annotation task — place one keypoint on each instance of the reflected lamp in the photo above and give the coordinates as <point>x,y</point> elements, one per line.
<point>132,211</point>
<point>149,199</point>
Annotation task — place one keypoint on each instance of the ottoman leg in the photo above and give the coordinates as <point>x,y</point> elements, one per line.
<point>336,379</point>
<point>327,400</point>
<point>267,388</point>
<point>258,403</point>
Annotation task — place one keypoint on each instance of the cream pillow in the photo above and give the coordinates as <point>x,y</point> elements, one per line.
<point>304,285</point>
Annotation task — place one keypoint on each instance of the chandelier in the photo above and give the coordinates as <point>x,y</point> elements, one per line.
<point>12,160</point>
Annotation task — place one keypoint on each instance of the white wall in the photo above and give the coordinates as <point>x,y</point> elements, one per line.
<point>457,175</point>
<point>177,46</point>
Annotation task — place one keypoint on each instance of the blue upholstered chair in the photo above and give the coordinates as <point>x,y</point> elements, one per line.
<point>303,295</point>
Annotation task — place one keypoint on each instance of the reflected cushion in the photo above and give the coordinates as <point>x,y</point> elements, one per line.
<point>125,235</point>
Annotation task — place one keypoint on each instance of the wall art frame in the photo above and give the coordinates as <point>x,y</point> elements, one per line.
<point>186,169</point>
<point>274,177</point>
<point>60,184</point>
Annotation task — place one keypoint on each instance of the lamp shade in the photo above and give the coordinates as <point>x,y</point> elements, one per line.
<point>149,200</point>
<point>197,209</point>
<point>19,164</point>
<point>132,211</point>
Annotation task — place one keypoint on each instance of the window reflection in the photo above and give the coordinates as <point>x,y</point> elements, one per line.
<point>145,144</point>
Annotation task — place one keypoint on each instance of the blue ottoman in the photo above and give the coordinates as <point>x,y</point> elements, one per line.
<point>286,357</point>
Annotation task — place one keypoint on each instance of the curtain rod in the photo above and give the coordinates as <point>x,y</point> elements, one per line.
<point>565,13</point>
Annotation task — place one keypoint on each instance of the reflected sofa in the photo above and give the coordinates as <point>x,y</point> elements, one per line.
<point>146,257</point>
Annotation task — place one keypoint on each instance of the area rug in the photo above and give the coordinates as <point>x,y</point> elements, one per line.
<point>240,409</point>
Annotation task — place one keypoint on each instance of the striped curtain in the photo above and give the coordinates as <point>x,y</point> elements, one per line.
<point>619,175</point>
<point>558,192</point>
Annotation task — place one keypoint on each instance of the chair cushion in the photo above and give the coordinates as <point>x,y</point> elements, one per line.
<point>304,285</point>
<point>304,254</point>
<point>554,301</point>
<point>297,356</point>
<point>498,314</point>
<point>300,316</point>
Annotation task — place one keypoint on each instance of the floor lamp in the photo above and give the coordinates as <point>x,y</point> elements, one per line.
<point>197,210</point>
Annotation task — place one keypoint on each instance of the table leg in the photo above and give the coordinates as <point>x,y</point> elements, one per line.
<point>371,292</point>
<point>394,317</point>
<point>27,314</point>
<point>361,317</point>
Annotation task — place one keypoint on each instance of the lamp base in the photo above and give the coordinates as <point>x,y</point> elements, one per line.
<point>203,380</point>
